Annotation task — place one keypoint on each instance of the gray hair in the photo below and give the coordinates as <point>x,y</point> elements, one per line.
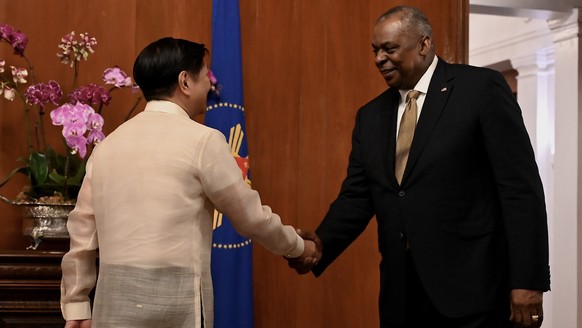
<point>414,22</point>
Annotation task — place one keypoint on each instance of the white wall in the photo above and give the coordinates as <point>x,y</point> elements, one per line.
<point>493,39</point>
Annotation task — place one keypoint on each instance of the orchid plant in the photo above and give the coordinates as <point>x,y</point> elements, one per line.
<point>55,177</point>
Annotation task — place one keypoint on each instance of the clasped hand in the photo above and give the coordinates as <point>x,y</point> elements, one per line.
<point>311,254</point>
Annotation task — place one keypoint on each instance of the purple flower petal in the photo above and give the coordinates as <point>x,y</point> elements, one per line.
<point>117,77</point>
<point>95,137</point>
<point>78,144</point>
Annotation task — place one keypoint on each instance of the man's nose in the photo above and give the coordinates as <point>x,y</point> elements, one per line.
<point>381,57</point>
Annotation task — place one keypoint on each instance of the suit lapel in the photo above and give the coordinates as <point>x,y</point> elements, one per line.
<point>384,131</point>
<point>438,93</point>
<point>391,137</point>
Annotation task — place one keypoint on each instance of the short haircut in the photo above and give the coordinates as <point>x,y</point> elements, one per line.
<point>414,22</point>
<point>157,67</point>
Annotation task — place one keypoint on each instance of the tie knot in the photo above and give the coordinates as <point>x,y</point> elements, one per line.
<point>412,94</point>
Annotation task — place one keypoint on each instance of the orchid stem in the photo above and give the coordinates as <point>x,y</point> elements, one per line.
<point>132,108</point>
<point>76,74</point>
<point>41,144</point>
<point>66,175</point>
<point>30,69</point>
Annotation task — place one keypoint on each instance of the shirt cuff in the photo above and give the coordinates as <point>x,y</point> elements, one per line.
<point>298,250</point>
<point>76,311</point>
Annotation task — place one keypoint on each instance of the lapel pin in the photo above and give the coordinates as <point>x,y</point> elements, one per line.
<point>444,89</point>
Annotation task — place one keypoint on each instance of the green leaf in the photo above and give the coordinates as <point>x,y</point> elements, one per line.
<point>56,177</point>
<point>39,168</point>
<point>56,161</point>
<point>23,170</point>
<point>80,174</point>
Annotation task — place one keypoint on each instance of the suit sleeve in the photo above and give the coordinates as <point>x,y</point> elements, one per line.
<point>351,212</point>
<point>519,186</point>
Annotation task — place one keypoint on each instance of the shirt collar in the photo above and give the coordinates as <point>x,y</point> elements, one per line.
<point>423,83</point>
<point>165,106</point>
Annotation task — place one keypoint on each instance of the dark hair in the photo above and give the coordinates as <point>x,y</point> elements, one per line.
<point>157,67</point>
<point>414,22</point>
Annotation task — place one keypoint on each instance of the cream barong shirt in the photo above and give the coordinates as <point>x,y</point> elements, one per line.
<point>146,205</point>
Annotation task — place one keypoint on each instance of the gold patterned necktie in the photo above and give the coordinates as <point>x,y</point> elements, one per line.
<point>405,133</point>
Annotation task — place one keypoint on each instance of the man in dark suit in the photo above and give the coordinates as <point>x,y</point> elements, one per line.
<point>462,225</point>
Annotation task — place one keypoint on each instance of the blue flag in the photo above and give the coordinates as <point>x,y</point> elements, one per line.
<point>232,272</point>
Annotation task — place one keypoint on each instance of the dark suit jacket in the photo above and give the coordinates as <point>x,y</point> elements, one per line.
<point>471,203</point>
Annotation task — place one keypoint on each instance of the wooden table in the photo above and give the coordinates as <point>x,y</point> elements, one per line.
<point>30,289</point>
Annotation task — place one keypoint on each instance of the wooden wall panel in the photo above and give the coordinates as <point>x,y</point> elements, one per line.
<point>312,71</point>
<point>307,66</point>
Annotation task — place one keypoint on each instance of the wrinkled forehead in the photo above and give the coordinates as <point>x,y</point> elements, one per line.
<point>390,30</point>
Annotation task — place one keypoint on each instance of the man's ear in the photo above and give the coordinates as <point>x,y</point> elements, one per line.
<point>183,82</point>
<point>425,45</point>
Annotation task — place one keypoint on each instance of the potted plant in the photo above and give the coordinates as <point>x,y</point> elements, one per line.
<point>54,177</point>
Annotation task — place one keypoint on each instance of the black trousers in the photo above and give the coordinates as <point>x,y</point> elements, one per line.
<point>420,311</point>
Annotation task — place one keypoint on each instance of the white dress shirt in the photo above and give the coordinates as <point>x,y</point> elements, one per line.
<point>422,86</point>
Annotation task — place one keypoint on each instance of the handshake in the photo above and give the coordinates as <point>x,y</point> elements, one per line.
<point>311,254</point>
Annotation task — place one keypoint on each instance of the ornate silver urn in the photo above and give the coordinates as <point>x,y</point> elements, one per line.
<point>43,222</point>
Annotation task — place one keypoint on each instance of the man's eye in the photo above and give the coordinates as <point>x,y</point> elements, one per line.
<point>386,50</point>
